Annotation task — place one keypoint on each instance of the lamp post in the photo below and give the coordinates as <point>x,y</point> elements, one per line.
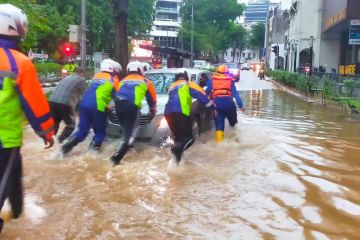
<point>83,35</point>
<point>311,54</point>
<point>295,56</point>
<point>192,32</point>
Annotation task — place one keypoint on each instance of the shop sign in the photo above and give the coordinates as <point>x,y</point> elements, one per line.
<point>337,18</point>
<point>347,69</point>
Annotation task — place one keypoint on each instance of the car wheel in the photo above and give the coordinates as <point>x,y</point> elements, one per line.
<point>195,125</point>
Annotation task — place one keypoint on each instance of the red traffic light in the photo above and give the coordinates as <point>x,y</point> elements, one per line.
<point>68,49</point>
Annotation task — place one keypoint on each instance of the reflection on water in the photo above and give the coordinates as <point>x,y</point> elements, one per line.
<point>289,170</point>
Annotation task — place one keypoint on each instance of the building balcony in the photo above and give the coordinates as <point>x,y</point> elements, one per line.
<point>163,33</point>
<point>167,10</point>
<point>162,22</point>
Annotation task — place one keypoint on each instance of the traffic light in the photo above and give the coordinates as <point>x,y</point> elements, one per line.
<point>275,49</point>
<point>68,49</point>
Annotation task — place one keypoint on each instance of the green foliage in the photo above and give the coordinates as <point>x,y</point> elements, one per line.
<point>214,25</point>
<point>140,18</point>
<point>49,21</point>
<point>329,89</point>
<point>257,35</point>
<point>293,80</point>
<point>350,86</point>
<point>48,68</point>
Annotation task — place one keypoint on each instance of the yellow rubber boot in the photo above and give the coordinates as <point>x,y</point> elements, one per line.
<point>219,136</point>
<point>6,216</point>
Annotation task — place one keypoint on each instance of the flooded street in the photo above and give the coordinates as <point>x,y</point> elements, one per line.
<point>289,170</point>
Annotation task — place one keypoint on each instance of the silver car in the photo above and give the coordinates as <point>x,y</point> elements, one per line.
<point>156,130</point>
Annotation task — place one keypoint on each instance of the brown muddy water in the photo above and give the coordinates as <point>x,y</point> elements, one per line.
<point>289,170</point>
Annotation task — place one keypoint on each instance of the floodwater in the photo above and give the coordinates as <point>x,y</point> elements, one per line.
<point>289,170</point>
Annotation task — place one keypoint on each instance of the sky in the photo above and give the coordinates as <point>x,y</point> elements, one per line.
<point>285,4</point>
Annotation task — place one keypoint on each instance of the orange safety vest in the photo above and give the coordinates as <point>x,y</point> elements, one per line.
<point>221,85</point>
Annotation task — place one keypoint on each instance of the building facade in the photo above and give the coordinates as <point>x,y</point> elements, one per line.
<point>332,28</point>
<point>256,12</point>
<point>166,23</point>
<point>340,46</point>
<point>304,32</point>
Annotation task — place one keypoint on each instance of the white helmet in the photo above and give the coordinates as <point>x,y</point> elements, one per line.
<point>107,65</point>
<point>13,21</point>
<point>117,67</point>
<point>136,67</point>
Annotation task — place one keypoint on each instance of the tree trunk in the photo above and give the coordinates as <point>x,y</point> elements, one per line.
<point>121,36</point>
<point>234,49</point>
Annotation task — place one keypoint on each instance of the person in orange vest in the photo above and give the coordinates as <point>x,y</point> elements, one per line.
<point>20,95</point>
<point>221,88</point>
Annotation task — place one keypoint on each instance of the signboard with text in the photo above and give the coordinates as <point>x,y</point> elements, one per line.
<point>354,32</point>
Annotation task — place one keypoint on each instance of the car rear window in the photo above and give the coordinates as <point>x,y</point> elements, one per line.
<point>161,81</point>
<point>231,65</point>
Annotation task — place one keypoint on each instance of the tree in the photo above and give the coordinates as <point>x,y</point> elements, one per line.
<point>121,37</point>
<point>213,20</point>
<point>50,19</point>
<point>140,18</point>
<point>257,35</point>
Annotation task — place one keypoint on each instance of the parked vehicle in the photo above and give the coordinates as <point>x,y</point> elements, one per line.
<point>261,74</point>
<point>201,64</point>
<point>234,70</point>
<point>245,67</point>
<point>156,130</point>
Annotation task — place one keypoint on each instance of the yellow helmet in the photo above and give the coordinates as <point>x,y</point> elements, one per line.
<point>222,69</point>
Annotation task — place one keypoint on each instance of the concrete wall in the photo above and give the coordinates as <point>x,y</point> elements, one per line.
<point>330,54</point>
<point>282,53</point>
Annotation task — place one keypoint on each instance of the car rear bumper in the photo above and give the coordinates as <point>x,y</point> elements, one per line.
<point>153,130</point>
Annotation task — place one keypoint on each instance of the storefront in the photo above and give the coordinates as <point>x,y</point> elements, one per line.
<point>341,35</point>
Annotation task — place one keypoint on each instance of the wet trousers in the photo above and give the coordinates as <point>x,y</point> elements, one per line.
<point>63,112</point>
<point>128,115</point>
<point>180,126</point>
<point>90,118</point>
<point>226,109</point>
<point>13,187</point>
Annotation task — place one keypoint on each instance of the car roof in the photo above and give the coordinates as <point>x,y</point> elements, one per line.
<point>177,70</point>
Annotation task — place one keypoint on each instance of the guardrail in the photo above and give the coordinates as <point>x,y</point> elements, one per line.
<point>337,85</point>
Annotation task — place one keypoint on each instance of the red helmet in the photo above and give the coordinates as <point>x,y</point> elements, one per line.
<point>222,69</point>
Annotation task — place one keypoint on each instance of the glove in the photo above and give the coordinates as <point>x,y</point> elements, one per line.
<point>151,113</point>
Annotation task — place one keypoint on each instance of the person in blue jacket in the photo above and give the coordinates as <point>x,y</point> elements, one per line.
<point>92,111</point>
<point>178,109</point>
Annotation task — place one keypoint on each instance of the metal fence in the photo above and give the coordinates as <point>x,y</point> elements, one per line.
<point>336,85</point>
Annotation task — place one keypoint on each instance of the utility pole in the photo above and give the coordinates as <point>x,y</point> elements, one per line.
<point>311,54</point>
<point>192,32</point>
<point>83,35</point>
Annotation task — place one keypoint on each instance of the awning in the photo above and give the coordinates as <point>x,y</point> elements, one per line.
<point>167,50</point>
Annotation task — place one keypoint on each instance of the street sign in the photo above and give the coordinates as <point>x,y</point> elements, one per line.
<point>40,55</point>
<point>354,32</point>
<point>33,55</point>
<point>74,33</point>
<point>30,54</point>
<point>262,52</point>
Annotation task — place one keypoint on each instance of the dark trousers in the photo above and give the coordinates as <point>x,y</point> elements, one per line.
<point>13,188</point>
<point>180,126</point>
<point>226,109</point>
<point>63,112</point>
<point>128,115</point>
<point>90,118</point>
